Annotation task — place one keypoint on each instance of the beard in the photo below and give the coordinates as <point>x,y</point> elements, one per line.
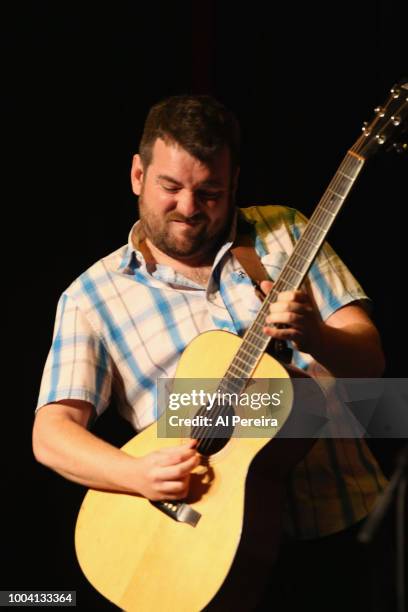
<point>184,237</point>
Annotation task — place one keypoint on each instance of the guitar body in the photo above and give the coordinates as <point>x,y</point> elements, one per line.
<point>141,559</point>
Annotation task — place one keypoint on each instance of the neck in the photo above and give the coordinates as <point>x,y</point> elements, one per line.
<point>155,255</point>
<point>196,269</point>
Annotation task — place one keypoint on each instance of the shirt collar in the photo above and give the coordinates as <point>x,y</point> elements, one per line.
<point>136,235</point>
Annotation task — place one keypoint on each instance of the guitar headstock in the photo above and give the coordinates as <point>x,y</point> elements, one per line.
<point>388,126</point>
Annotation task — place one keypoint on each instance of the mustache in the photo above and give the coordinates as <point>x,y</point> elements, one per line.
<point>193,219</point>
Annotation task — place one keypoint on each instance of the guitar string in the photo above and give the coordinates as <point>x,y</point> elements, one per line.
<point>205,433</point>
<point>335,202</point>
<point>337,188</point>
<point>351,165</point>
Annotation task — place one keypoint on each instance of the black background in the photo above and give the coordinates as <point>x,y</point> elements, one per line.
<point>79,81</point>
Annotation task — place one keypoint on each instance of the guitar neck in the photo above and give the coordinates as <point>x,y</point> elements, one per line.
<point>296,268</point>
<point>317,228</point>
<point>389,121</point>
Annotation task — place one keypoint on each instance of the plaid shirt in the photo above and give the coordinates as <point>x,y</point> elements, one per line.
<point>124,323</point>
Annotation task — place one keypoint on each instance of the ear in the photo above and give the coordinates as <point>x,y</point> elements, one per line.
<point>137,174</point>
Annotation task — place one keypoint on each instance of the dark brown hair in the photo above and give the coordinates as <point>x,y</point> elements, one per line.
<point>198,123</point>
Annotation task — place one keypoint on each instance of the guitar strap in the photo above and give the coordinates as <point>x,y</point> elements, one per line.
<point>244,251</point>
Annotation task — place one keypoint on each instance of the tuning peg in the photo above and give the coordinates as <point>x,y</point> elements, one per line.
<point>380,111</point>
<point>380,138</point>
<point>365,129</point>
<point>396,120</point>
<point>395,92</point>
<point>398,147</point>
<point>401,147</point>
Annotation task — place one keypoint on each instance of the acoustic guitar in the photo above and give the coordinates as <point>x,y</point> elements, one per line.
<point>215,550</point>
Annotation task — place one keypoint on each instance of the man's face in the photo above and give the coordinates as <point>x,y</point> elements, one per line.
<point>185,205</point>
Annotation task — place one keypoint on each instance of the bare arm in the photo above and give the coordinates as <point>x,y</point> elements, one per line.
<point>350,344</point>
<point>62,442</point>
<point>347,343</point>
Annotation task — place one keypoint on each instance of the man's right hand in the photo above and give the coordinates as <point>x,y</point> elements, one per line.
<point>62,442</point>
<point>165,474</point>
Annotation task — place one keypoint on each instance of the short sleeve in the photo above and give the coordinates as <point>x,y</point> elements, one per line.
<point>330,281</point>
<point>78,365</point>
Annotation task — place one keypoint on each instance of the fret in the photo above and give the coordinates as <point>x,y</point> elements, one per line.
<point>304,239</point>
<point>327,211</point>
<point>248,358</point>
<point>286,284</point>
<point>254,340</point>
<point>251,356</point>
<point>314,235</point>
<point>238,358</point>
<point>259,325</point>
<point>238,374</point>
<point>292,268</point>
<point>354,160</point>
<point>291,283</point>
<point>240,369</point>
<point>259,335</point>
<point>300,265</point>
<point>246,341</point>
<point>239,386</point>
<point>350,178</point>
<point>230,384</point>
<point>302,247</point>
<point>336,194</point>
<point>340,182</point>
<point>307,259</point>
<point>312,223</point>
<point>319,230</point>
<point>253,336</point>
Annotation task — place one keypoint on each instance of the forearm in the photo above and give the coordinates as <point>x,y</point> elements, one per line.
<point>74,452</point>
<point>352,351</point>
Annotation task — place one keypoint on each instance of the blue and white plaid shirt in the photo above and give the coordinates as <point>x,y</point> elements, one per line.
<point>123,323</point>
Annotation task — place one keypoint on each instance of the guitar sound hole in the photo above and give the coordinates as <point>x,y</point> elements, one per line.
<point>210,447</point>
<point>215,436</point>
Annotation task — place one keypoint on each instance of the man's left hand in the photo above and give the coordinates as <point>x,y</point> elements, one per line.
<point>303,324</point>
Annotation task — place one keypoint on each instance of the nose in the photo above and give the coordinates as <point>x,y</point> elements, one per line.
<point>187,204</point>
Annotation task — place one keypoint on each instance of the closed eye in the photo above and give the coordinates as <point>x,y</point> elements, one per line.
<point>201,194</point>
<point>209,195</point>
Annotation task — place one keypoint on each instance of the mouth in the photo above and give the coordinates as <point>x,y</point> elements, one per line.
<point>183,223</point>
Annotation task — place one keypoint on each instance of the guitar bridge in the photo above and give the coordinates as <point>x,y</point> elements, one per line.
<point>179,511</point>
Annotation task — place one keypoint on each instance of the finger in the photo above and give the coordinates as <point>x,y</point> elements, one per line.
<point>293,319</point>
<point>293,296</point>
<point>176,454</point>
<point>283,334</point>
<point>179,471</point>
<point>266,286</point>
<point>190,443</point>
<point>297,307</point>
<point>174,489</point>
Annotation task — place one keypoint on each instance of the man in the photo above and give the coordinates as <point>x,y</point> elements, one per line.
<point>125,321</point>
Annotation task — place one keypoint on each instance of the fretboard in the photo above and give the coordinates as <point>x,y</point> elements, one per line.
<point>296,268</point>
